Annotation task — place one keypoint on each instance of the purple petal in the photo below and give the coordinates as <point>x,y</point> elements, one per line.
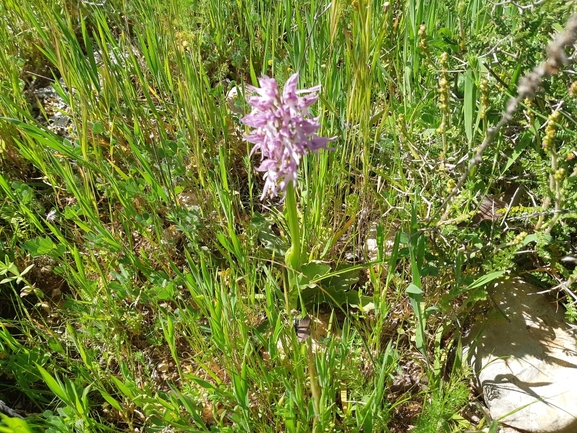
<point>290,87</point>
<point>282,130</point>
<point>321,143</point>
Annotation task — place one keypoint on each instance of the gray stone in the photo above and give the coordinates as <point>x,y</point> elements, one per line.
<point>524,357</point>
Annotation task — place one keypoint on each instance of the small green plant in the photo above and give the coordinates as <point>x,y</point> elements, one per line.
<point>440,413</point>
<point>14,425</point>
<point>11,274</point>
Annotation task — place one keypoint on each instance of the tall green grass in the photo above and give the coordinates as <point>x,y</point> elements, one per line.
<point>155,300</point>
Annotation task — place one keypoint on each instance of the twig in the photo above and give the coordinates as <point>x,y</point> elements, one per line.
<point>9,411</point>
<point>565,286</point>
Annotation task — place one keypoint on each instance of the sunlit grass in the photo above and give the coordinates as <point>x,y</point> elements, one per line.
<point>156,296</point>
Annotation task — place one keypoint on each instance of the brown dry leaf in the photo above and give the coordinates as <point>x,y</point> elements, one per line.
<point>488,209</point>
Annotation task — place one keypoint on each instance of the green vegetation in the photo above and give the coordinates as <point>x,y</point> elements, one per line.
<point>142,282</point>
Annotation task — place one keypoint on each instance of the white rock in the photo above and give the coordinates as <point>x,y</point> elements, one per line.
<point>524,356</point>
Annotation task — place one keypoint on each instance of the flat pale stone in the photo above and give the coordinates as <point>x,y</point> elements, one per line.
<point>524,357</point>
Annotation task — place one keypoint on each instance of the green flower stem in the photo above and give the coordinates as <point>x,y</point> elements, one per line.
<point>293,255</point>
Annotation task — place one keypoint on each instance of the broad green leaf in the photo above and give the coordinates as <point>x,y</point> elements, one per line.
<point>111,400</point>
<point>97,127</point>
<point>122,387</point>
<point>414,291</point>
<point>39,246</point>
<point>485,279</point>
<point>54,385</point>
<point>203,383</point>
<point>14,425</point>
<point>311,273</point>
<point>536,237</point>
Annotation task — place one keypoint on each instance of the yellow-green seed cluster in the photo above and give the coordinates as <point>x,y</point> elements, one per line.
<point>423,45</point>
<point>443,90</point>
<point>484,90</point>
<point>550,130</point>
<point>528,112</point>
<point>519,238</point>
